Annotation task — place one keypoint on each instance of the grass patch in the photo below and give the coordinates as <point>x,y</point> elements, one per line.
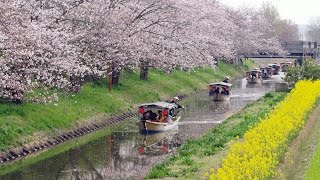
<point>313,169</point>
<point>198,153</point>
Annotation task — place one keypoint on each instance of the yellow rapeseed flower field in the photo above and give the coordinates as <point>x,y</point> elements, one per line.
<point>257,156</point>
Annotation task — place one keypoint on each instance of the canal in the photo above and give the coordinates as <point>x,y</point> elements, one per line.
<point>129,154</point>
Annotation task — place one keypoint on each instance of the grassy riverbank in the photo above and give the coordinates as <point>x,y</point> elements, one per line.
<point>31,121</point>
<point>314,165</point>
<point>196,157</point>
<point>301,161</point>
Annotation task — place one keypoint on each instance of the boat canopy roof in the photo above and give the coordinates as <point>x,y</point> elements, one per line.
<point>220,84</point>
<point>288,62</point>
<point>255,70</point>
<point>159,104</point>
<point>265,67</point>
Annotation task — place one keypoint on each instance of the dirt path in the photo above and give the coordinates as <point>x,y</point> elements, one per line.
<point>300,151</point>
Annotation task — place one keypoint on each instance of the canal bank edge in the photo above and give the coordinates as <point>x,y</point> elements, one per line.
<point>206,75</point>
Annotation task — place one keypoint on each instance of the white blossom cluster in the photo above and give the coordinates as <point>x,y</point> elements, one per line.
<point>63,43</point>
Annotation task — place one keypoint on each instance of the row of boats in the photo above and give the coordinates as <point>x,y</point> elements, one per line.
<point>256,75</point>
<point>163,116</point>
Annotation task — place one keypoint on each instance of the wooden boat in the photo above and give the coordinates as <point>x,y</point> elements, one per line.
<point>219,91</point>
<point>166,119</point>
<point>285,66</point>
<point>276,68</point>
<point>253,76</point>
<point>266,72</point>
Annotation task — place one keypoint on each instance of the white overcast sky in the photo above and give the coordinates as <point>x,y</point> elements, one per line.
<point>300,11</point>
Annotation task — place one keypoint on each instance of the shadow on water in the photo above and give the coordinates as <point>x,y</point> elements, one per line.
<point>129,155</point>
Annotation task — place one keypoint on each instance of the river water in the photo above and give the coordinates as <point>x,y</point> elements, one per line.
<point>129,154</point>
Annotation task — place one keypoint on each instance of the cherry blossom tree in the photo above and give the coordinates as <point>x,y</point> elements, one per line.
<point>63,43</point>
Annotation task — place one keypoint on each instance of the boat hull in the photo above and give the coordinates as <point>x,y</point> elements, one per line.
<point>285,69</point>
<point>253,80</point>
<point>276,72</point>
<point>265,76</point>
<point>155,127</point>
<point>219,97</point>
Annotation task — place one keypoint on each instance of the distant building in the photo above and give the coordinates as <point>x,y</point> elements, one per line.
<point>302,48</point>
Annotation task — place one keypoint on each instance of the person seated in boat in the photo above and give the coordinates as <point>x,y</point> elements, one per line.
<point>225,91</point>
<point>153,116</point>
<point>146,115</point>
<point>254,73</point>
<point>265,71</point>
<point>161,117</point>
<point>212,90</point>
<point>226,80</point>
<point>175,101</point>
<point>217,90</point>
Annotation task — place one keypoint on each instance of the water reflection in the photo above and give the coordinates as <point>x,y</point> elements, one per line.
<point>117,156</point>
<point>253,85</point>
<point>219,107</point>
<point>160,143</point>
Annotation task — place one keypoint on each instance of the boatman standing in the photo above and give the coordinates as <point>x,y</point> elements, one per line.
<point>175,100</point>
<point>226,80</point>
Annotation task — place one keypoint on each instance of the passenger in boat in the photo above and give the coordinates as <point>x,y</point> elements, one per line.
<point>226,80</point>
<point>146,115</point>
<point>161,117</point>
<point>225,91</point>
<point>153,116</point>
<point>217,90</point>
<point>212,90</point>
<point>265,71</point>
<point>254,73</point>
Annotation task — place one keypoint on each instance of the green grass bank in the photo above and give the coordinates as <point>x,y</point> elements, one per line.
<point>22,124</point>
<point>197,156</point>
<point>314,164</point>
<point>313,170</point>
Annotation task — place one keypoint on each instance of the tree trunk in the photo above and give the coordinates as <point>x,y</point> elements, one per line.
<point>144,70</point>
<point>115,74</point>
<point>109,78</point>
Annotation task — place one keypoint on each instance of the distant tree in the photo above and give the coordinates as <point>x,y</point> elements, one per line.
<point>285,30</point>
<point>313,29</point>
<point>309,70</point>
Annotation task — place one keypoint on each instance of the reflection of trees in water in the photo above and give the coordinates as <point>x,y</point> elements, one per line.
<point>160,143</point>
<point>126,161</point>
<point>114,157</point>
<point>219,107</point>
<point>123,160</point>
<point>77,171</point>
<point>253,85</point>
<point>268,85</point>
